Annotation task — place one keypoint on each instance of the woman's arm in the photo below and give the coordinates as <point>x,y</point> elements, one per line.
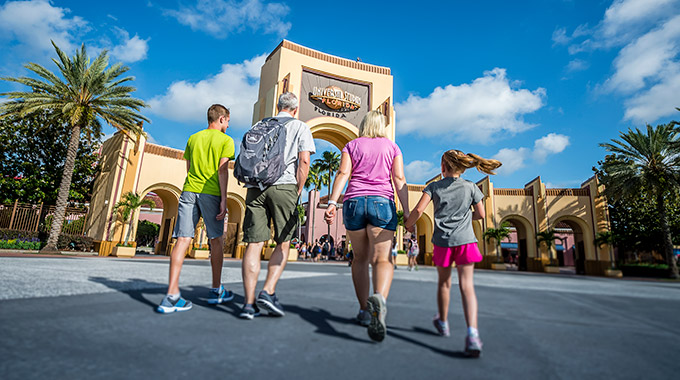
<point>417,212</point>
<point>399,181</point>
<point>340,180</point>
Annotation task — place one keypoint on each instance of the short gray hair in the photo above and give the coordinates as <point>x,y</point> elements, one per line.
<point>287,101</point>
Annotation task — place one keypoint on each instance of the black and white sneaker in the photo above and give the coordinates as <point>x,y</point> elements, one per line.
<point>249,311</point>
<point>270,303</point>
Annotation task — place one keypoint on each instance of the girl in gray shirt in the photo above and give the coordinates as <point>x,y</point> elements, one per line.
<point>453,238</point>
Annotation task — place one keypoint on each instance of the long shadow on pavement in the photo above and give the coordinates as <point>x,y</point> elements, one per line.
<point>321,318</point>
<point>392,331</point>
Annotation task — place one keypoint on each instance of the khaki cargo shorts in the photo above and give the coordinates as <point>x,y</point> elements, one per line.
<point>277,205</point>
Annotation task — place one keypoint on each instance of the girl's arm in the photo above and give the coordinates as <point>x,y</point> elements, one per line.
<point>478,210</point>
<point>341,178</point>
<point>417,211</point>
<point>399,180</point>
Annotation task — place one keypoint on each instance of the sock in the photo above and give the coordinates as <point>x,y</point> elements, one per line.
<point>173,297</point>
<point>473,332</point>
<point>217,289</point>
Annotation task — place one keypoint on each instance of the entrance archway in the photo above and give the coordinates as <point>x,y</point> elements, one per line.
<point>233,234</point>
<point>580,250</point>
<point>335,131</point>
<point>169,194</point>
<point>525,239</point>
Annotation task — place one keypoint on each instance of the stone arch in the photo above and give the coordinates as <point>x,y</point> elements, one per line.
<point>424,230</point>
<point>169,194</point>
<point>526,239</point>
<point>583,236</point>
<point>336,131</point>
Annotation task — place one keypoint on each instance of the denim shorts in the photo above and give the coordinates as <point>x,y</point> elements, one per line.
<point>359,212</point>
<point>191,207</point>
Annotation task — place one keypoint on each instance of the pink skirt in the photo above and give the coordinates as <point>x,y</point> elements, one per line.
<point>461,255</point>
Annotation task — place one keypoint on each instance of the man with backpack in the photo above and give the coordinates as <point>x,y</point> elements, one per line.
<point>273,163</point>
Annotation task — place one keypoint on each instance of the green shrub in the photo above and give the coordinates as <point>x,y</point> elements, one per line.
<point>75,243</point>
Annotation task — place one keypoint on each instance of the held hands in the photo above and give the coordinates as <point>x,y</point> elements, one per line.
<point>329,215</point>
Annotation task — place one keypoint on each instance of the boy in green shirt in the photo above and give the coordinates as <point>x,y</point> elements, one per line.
<point>204,194</point>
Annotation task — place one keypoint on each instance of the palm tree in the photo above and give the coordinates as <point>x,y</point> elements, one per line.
<point>315,179</point>
<point>89,91</point>
<point>128,204</point>
<point>498,234</point>
<point>329,161</point>
<point>606,238</point>
<point>646,162</point>
<point>548,237</point>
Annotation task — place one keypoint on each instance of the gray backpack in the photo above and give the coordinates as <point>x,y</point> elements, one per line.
<point>261,160</point>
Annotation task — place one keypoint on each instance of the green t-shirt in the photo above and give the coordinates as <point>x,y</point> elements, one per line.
<point>204,150</point>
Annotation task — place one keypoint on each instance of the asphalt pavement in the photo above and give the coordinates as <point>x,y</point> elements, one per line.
<point>93,318</point>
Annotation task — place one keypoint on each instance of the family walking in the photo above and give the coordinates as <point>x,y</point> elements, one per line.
<point>372,167</point>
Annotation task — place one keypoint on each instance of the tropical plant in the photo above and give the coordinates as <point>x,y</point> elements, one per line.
<point>329,161</point>
<point>498,234</point>
<point>646,161</point>
<point>127,205</point>
<point>606,238</point>
<point>547,237</point>
<point>88,92</point>
<point>147,232</point>
<point>315,179</point>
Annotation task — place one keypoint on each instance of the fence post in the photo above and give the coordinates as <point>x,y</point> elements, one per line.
<point>14,211</point>
<point>37,222</point>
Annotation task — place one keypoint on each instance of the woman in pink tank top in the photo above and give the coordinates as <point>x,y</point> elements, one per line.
<point>371,163</point>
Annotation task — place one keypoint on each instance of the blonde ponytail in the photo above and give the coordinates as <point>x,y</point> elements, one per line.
<point>456,160</point>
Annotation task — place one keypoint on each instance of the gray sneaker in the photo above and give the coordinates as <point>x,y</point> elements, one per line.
<point>377,328</point>
<point>364,318</point>
<point>473,346</point>
<point>270,303</point>
<point>441,326</point>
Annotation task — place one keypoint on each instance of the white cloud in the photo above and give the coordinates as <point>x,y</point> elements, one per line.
<point>621,18</point>
<point>646,70</point>
<point>560,37</point>
<point>479,111</point>
<point>235,87</point>
<point>419,171</point>
<point>131,49</point>
<point>222,17</point>
<point>577,65</point>
<point>659,101</point>
<point>512,159</point>
<point>553,143</point>
<point>34,23</point>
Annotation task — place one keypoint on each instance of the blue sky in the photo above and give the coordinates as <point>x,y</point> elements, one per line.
<point>536,84</point>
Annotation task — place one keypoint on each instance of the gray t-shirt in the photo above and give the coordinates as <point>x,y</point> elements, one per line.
<point>452,199</point>
<point>298,139</point>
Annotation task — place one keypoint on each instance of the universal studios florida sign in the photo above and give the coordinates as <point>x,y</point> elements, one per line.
<point>336,98</point>
<point>326,95</point>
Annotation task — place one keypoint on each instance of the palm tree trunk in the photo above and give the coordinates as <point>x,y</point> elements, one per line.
<point>62,196</point>
<point>313,210</point>
<point>127,236</point>
<point>329,199</point>
<point>667,241</point>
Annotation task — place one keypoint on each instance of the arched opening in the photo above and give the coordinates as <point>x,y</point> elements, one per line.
<point>424,227</point>
<point>233,236</point>
<point>574,249</point>
<point>169,196</point>
<point>521,245</point>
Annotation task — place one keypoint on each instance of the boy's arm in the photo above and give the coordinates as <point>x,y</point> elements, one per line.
<point>223,176</point>
<point>417,211</point>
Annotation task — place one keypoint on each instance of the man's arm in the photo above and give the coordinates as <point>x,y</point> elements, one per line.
<point>223,175</point>
<point>302,170</point>
<point>188,165</point>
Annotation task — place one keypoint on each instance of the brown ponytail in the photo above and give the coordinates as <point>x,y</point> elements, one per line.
<point>455,159</point>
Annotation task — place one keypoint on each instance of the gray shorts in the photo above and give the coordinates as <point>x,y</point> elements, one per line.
<point>191,207</point>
